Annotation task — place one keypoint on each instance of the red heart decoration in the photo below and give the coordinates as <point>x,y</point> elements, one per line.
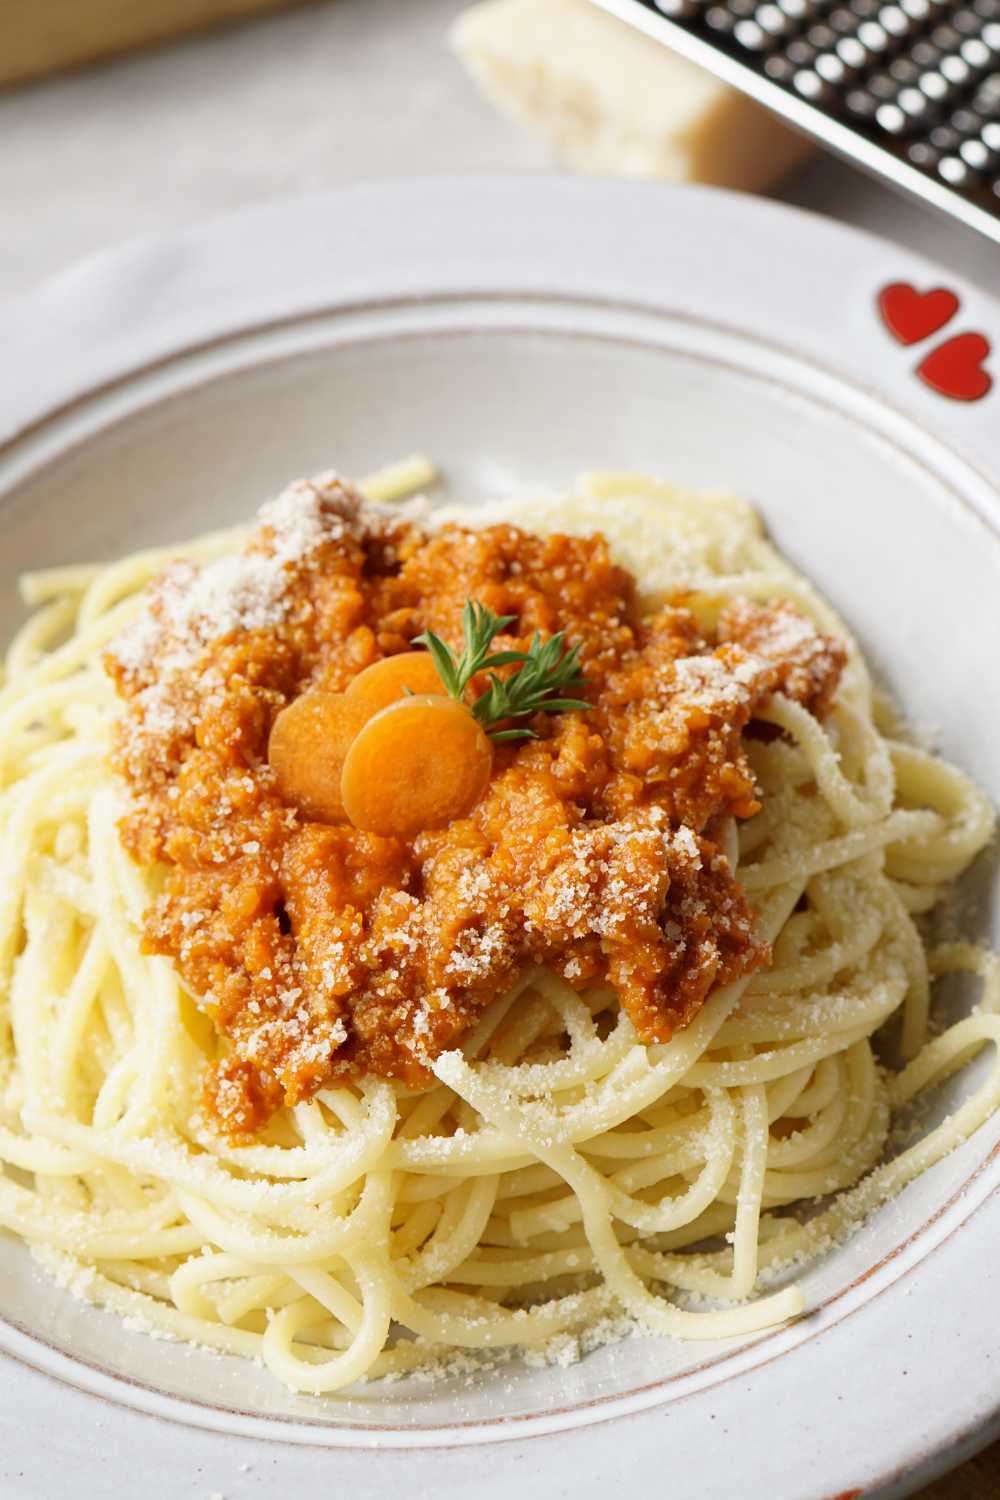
<point>910,315</point>
<point>954,368</point>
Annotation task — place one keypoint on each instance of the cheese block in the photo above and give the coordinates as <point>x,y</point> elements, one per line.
<point>614,102</point>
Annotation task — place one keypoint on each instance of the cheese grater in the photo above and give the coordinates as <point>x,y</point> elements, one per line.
<point>907,89</point>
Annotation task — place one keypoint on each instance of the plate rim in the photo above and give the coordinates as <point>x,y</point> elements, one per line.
<point>81,300</point>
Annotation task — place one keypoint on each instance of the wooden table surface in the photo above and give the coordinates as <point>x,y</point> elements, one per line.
<point>44,36</point>
<point>979,1479</point>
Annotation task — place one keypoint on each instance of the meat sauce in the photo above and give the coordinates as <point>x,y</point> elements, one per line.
<point>321,951</point>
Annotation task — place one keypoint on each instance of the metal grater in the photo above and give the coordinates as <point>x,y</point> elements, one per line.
<point>907,89</point>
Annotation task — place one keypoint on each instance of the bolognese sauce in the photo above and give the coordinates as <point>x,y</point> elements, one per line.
<point>321,950</point>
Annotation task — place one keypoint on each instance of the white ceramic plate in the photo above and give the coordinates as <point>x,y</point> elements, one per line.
<point>520,332</point>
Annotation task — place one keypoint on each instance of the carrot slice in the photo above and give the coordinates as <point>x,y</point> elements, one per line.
<point>395,677</point>
<point>308,743</point>
<point>418,764</point>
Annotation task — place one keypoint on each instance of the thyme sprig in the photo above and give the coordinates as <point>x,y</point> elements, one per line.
<point>547,676</point>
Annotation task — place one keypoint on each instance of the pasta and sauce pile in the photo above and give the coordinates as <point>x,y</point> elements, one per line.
<point>433,931</point>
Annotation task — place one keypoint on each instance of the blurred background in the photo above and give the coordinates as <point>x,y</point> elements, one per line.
<point>133,117</point>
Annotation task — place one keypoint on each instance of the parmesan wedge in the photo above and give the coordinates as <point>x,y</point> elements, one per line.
<point>614,102</point>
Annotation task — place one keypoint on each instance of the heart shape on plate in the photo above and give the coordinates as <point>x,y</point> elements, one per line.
<point>910,315</point>
<point>955,369</point>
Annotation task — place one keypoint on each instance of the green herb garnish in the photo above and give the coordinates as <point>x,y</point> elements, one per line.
<point>547,672</point>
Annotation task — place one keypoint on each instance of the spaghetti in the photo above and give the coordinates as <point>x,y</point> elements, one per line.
<point>560,1171</point>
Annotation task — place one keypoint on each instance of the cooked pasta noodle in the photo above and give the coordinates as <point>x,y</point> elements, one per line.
<point>561,1171</point>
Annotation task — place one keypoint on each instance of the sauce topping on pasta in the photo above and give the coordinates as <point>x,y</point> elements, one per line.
<point>320,949</point>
